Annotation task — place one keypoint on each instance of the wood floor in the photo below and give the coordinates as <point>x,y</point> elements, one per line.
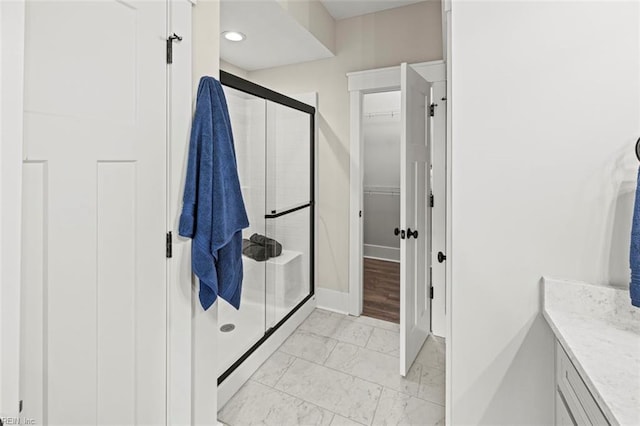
<point>381,290</point>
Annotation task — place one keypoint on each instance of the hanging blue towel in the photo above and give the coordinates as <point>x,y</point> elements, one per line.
<point>213,212</point>
<point>634,253</point>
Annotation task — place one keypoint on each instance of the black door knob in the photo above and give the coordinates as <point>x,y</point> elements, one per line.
<point>399,232</point>
<point>441,257</point>
<point>411,233</point>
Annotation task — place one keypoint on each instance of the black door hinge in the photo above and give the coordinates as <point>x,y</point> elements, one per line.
<point>431,292</point>
<point>430,282</point>
<point>169,245</point>
<point>431,202</point>
<point>432,109</point>
<point>170,41</point>
<point>20,407</point>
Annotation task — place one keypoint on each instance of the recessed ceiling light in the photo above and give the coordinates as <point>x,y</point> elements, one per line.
<point>234,35</point>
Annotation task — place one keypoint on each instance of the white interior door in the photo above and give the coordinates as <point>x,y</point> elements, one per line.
<point>94,203</point>
<point>415,216</point>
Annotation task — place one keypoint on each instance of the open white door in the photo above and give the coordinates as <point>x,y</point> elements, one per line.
<point>415,216</point>
<point>94,213</point>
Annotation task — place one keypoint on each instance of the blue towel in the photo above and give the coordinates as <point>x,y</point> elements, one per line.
<point>213,212</point>
<point>634,253</point>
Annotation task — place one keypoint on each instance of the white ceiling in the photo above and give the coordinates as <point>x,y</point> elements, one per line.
<point>341,9</point>
<point>274,38</point>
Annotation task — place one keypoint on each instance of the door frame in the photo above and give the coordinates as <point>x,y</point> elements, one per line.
<point>12,16</point>
<point>183,325</point>
<point>359,84</point>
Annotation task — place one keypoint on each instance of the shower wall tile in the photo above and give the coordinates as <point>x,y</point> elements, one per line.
<point>288,283</point>
<point>341,393</point>
<point>288,157</point>
<point>256,403</point>
<point>247,121</point>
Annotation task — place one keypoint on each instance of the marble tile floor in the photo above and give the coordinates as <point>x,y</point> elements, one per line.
<point>341,370</point>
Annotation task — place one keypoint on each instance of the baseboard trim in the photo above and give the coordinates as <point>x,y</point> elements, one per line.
<point>332,300</point>
<point>391,254</point>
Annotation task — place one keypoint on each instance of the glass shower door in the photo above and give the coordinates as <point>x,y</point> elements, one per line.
<point>273,138</point>
<point>288,209</point>
<point>243,328</point>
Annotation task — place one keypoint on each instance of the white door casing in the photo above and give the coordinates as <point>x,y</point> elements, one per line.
<point>439,209</point>
<point>11,87</point>
<point>383,80</point>
<point>180,291</point>
<point>415,215</point>
<point>94,201</point>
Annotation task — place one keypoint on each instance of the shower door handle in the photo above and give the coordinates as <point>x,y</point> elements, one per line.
<point>411,233</point>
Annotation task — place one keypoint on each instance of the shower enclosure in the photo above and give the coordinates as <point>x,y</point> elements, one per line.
<point>274,143</point>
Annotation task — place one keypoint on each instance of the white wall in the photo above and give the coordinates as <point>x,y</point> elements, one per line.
<point>545,116</point>
<point>315,18</point>
<point>407,34</point>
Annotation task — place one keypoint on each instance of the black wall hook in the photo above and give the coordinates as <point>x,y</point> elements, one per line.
<point>170,40</point>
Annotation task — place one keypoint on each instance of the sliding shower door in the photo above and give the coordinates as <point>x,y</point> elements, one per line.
<point>243,328</point>
<point>289,207</point>
<point>273,137</point>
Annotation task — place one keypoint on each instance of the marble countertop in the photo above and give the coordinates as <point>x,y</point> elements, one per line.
<point>600,331</point>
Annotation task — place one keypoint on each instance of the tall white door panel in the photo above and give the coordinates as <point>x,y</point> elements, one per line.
<point>94,266</point>
<point>415,215</point>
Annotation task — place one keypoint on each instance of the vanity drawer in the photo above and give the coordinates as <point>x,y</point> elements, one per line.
<point>580,403</point>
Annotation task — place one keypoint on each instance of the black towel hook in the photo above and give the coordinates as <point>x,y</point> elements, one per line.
<point>638,149</point>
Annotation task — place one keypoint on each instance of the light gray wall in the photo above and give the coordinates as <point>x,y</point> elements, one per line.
<point>546,111</point>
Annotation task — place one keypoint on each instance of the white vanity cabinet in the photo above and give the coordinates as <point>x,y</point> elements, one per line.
<point>597,353</point>
<point>574,403</point>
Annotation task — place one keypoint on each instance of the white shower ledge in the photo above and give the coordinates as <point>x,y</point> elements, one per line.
<point>600,331</point>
